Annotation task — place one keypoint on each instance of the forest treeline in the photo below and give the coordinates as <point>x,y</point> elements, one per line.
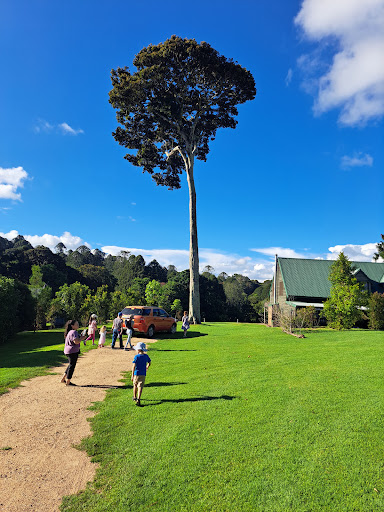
<point>51,277</point>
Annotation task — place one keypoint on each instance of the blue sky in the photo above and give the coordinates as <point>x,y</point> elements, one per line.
<point>301,175</point>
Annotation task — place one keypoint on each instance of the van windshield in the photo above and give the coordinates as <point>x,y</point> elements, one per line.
<point>136,311</point>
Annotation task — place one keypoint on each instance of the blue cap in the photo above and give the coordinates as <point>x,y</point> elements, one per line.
<point>119,313</point>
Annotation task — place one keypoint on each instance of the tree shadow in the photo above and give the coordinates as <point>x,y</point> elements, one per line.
<point>181,400</point>
<point>23,350</point>
<point>33,359</point>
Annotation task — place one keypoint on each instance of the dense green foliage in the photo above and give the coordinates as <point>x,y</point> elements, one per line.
<point>17,311</point>
<point>342,308</point>
<point>376,311</point>
<point>172,106</point>
<point>245,418</point>
<point>77,283</point>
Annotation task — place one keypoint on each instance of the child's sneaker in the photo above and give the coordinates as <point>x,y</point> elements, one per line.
<point>138,403</point>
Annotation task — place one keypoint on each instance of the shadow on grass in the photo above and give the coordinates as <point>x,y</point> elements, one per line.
<point>191,334</point>
<point>181,400</point>
<point>35,359</point>
<point>155,349</point>
<point>129,386</point>
<point>176,336</point>
<point>161,384</point>
<point>102,386</point>
<point>32,349</point>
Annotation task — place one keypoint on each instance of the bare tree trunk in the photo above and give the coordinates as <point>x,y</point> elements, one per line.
<point>194,288</point>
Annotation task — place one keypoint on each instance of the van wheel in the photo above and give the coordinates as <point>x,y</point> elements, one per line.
<point>151,331</point>
<point>173,329</point>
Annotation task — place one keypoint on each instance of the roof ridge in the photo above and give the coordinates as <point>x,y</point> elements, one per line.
<point>331,261</point>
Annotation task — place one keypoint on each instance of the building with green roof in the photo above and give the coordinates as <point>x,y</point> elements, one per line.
<point>303,282</point>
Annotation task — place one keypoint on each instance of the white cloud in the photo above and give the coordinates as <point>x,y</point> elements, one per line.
<point>12,179</point>
<point>288,78</point>
<point>358,160</point>
<point>354,252</point>
<point>280,251</point>
<point>10,235</point>
<point>43,126</point>
<point>221,262</point>
<point>68,130</point>
<point>354,80</point>
<point>70,241</point>
<point>165,257</point>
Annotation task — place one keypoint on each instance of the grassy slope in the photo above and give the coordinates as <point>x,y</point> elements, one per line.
<point>245,418</point>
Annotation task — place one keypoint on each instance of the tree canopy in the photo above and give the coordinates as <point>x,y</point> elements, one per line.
<point>172,106</point>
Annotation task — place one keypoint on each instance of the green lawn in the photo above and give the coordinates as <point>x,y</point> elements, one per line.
<point>245,418</point>
<point>30,354</point>
<point>241,418</point>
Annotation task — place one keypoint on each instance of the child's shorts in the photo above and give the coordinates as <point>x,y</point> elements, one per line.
<point>139,380</point>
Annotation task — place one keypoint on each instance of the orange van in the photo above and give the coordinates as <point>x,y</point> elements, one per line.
<point>149,319</point>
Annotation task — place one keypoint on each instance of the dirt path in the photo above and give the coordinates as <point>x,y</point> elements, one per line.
<point>40,422</point>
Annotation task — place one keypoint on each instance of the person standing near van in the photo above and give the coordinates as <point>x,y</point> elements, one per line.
<point>185,323</point>
<point>117,330</point>
<point>129,327</point>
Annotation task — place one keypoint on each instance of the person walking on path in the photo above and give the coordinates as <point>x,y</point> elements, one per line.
<point>185,325</point>
<point>141,363</point>
<point>117,331</point>
<point>92,327</point>
<point>129,326</point>
<point>71,349</point>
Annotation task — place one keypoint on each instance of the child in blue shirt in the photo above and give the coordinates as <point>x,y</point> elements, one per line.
<point>141,363</point>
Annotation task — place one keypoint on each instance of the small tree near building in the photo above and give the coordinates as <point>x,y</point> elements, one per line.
<point>347,296</point>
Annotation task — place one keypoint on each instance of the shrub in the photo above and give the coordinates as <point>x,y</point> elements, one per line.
<point>305,317</point>
<point>376,311</point>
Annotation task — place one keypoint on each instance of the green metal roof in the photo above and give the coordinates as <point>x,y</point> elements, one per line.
<point>309,278</point>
